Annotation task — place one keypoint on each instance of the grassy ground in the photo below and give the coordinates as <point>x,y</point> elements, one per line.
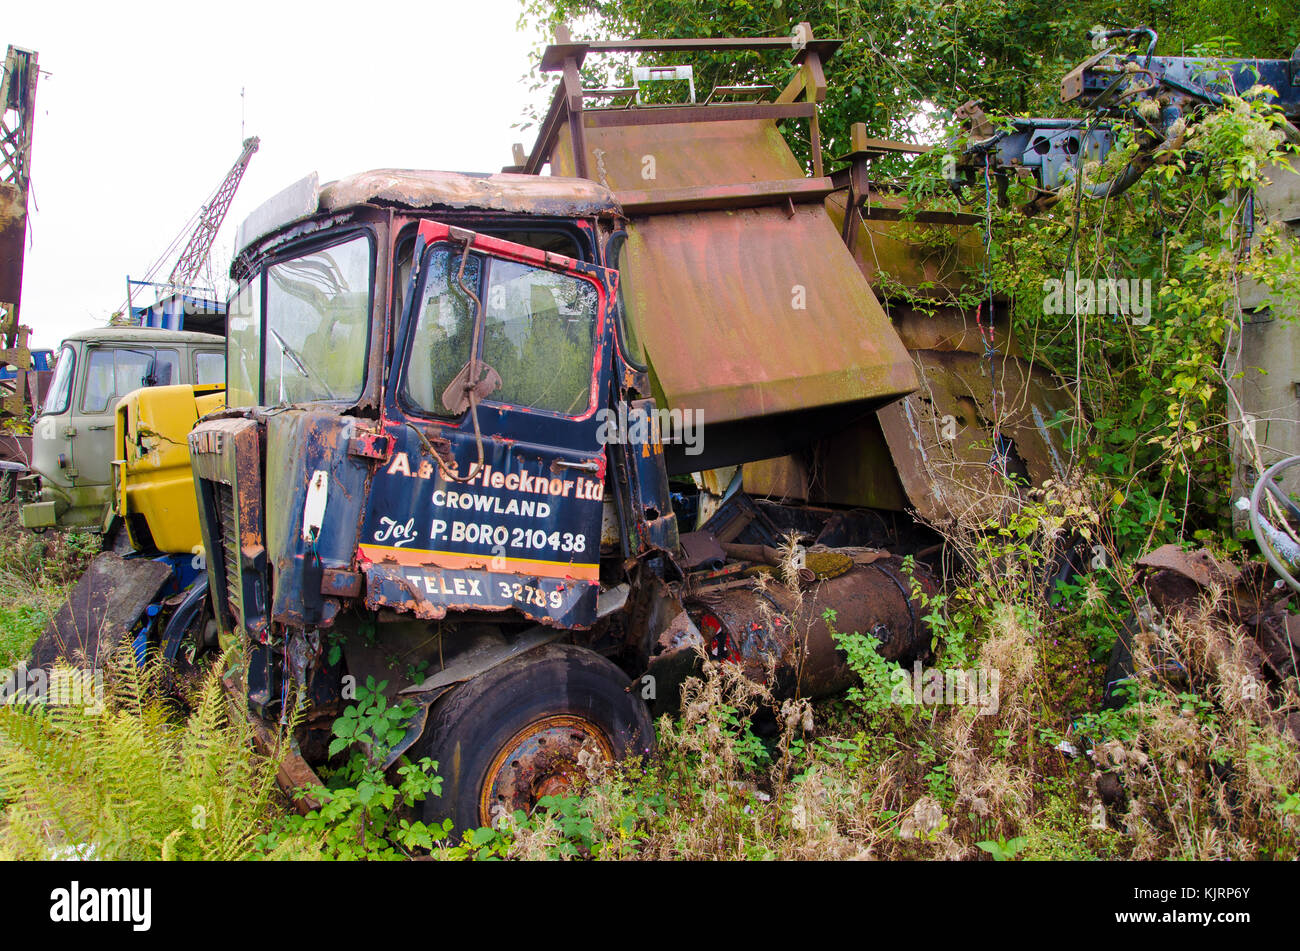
<point>35,574</point>
<point>1194,766</point>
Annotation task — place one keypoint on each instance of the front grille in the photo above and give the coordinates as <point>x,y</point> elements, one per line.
<point>227,534</point>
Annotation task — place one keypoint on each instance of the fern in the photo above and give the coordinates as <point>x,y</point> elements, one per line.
<point>137,779</point>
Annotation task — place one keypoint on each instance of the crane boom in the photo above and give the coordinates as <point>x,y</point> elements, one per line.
<point>214,211</point>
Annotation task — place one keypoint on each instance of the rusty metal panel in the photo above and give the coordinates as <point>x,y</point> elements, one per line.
<point>13,232</point>
<point>776,303</point>
<point>942,436</point>
<point>520,194</point>
<point>785,477</point>
<point>681,155</point>
<point>429,592</point>
<point>17,110</point>
<point>934,260</point>
<point>780,636</point>
<point>853,467</point>
<point>849,467</point>
<point>949,327</point>
<point>104,607</point>
<point>226,457</point>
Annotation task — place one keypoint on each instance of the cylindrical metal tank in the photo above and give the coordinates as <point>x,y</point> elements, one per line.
<point>781,635</point>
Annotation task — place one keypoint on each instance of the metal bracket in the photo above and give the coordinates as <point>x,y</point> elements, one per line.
<point>655,74</point>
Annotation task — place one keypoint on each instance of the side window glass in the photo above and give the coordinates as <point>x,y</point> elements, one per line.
<point>317,314</point>
<point>56,401</point>
<point>133,370</point>
<point>99,381</point>
<point>113,372</point>
<point>209,367</point>
<point>541,337</point>
<point>441,342</point>
<point>244,344</point>
<point>629,333</point>
<point>166,369</point>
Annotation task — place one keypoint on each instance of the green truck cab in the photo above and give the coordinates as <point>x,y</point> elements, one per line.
<point>72,437</point>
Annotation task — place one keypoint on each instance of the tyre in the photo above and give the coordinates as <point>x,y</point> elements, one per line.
<point>513,734</point>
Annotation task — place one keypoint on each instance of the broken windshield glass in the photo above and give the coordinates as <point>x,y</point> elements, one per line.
<point>538,334</point>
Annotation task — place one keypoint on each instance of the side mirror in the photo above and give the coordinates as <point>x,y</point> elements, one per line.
<point>456,397</point>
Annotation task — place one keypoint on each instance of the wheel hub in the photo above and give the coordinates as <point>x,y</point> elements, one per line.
<point>540,760</point>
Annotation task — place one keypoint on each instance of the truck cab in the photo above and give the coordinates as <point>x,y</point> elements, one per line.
<point>73,435</point>
<point>410,476</point>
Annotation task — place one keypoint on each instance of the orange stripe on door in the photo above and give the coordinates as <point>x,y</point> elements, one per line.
<point>452,559</point>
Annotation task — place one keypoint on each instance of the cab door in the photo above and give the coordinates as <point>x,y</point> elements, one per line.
<point>110,373</point>
<point>492,496</point>
<point>52,442</point>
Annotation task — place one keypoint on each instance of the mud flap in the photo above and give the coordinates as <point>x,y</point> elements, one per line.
<point>105,606</point>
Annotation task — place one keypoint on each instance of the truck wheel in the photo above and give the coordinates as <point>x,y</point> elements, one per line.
<point>512,735</point>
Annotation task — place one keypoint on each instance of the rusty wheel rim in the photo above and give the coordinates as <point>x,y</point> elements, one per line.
<point>540,760</point>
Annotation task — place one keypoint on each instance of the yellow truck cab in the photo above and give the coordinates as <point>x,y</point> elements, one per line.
<point>73,446</point>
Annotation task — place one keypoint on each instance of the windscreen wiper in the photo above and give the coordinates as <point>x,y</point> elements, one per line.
<point>292,354</point>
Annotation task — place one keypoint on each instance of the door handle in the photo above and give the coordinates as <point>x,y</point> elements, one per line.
<point>99,426</point>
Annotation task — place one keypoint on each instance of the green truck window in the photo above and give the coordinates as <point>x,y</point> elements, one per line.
<point>113,372</point>
<point>56,401</point>
<point>441,341</point>
<point>540,335</point>
<point>209,367</point>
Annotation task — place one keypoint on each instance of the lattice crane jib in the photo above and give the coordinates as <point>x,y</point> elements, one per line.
<point>199,246</point>
<point>17,111</point>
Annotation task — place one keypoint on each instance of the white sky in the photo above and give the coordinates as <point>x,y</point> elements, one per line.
<point>138,119</point>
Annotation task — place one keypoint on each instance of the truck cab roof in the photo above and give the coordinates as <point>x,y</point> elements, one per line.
<point>507,192</point>
<point>141,335</point>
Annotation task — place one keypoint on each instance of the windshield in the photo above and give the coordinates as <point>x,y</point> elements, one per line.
<point>539,334</point>
<point>317,314</point>
<point>56,401</point>
<point>114,372</point>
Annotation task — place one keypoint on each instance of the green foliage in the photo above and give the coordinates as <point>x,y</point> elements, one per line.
<point>907,62</point>
<point>132,780</point>
<point>880,687</point>
<point>35,573</point>
<point>1154,420</point>
<point>361,814</point>
<point>1003,850</point>
<point>20,625</point>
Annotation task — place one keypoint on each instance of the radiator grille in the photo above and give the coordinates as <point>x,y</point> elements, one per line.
<point>228,533</point>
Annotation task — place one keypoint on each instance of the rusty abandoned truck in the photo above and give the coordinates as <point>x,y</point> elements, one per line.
<point>455,404</point>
